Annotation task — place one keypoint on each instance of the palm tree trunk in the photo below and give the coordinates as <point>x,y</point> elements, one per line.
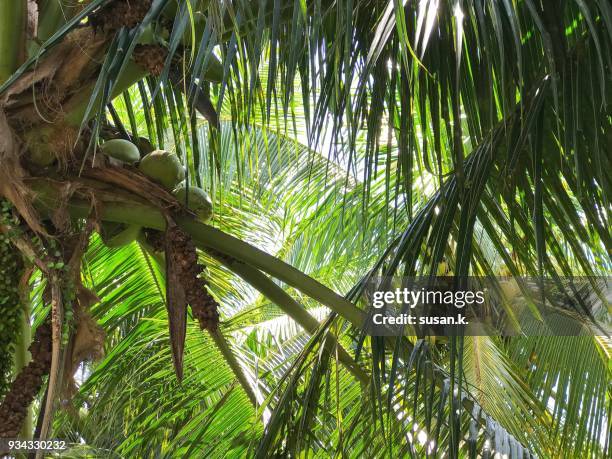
<point>12,27</point>
<point>22,353</point>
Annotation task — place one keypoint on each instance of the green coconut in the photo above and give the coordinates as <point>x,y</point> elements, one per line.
<point>40,151</point>
<point>118,234</point>
<point>197,200</point>
<point>163,167</point>
<point>121,149</point>
<point>41,157</point>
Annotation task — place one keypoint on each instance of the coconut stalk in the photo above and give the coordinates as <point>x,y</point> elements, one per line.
<point>293,309</point>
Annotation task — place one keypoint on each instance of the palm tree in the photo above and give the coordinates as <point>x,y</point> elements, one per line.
<point>340,141</point>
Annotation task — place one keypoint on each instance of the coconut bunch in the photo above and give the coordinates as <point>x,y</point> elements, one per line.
<point>161,167</point>
<point>184,285</point>
<point>11,267</point>
<point>26,386</point>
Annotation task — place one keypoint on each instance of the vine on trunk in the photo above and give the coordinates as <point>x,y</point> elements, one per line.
<point>11,267</point>
<point>26,386</point>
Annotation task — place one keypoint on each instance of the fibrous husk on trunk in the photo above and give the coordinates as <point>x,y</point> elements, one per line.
<point>63,73</point>
<point>87,344</point>
<point>86,340</point>
<point>12,174</point>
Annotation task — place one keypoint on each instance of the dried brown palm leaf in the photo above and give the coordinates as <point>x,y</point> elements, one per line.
<point>176,299</point>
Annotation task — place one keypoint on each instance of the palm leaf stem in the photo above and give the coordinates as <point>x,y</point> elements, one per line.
<point>204,236</point>
<point>292,308</point>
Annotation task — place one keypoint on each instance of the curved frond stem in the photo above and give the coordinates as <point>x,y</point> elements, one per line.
<point>292,308</point>
<point>226,350</point>
<point>207,236</point>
